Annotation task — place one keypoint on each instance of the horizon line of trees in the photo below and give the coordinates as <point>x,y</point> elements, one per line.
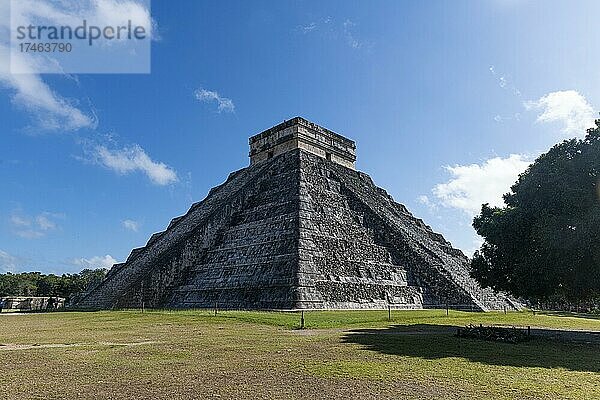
<point>33,284</point>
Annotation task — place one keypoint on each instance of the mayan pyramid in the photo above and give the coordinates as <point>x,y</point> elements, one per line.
<point>299,228</point>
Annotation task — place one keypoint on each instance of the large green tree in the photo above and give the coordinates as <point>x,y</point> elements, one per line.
<point>545,243</point>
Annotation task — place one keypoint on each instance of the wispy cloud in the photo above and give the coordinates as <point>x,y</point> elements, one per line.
<point>349,35</point>
<point>323,24</point>
<point>568,107</point>
<point>95,262</point>
<point>54,112</point>
<point>34,227</point>
<point>10,263</point>
<point>50,110</point>
<point>427,202</point>
<point>209,96</point>
<point>329,27</point>
<point>30,92</point>
<point>311,26</point>
<point>475,245</point>
<point>505,82</point>
<point>472,185</point>
<point>131,225</point>
<point>132,159</point>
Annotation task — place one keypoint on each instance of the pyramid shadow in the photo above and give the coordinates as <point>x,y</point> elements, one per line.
<point>548,348</point>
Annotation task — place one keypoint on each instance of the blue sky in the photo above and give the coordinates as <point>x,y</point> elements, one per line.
<point>447,101</point>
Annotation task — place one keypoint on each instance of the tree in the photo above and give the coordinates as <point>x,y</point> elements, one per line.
<point>37,284</point>
<point>47,285</point>
<point>546,241</point>
<point>90,278</point>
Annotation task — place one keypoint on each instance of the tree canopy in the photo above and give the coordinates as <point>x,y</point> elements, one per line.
<point>37,284</point>
<point>545,243</point>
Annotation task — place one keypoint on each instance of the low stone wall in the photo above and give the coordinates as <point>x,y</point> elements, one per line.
<point>33,303</point>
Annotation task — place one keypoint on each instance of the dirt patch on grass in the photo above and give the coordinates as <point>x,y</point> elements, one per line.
<point>316,332</point>
<point>13,347</point>
<point>9,347</point>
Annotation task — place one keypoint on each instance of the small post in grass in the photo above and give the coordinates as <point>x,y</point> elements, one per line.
<point>142,297</point>
<point>505,309</point>
<point>216,308</point>
<point>302,320</point>
<point>389,312</point>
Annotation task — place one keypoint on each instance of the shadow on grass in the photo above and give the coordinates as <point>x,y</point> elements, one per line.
<point>568,314</point>
<point>572,350</point>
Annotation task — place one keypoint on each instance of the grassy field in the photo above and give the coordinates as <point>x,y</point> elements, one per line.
<point>249,355</point>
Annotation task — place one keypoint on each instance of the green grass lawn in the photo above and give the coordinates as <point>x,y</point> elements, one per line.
<point>248,355</point>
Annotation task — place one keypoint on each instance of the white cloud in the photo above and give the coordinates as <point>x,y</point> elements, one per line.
<point>132,159</point>
<point>473,185</point>
<point>95,262</point>
<point>17,220</point>
<point>475,245</point>
<point>112,12</point>
<point>30,92</point>
<point>95,12</point>
<point>131,225</point>
<point>327,27</point>
<point>308,27</point>
<point>311,26</point>
<point>568,107</point>
<point>504,82</point>
<point>351,40</point>
<point>9,263</point>
<point>30,234</point>
<point>44,223</point>
<point>207,96</point>
<point>34,227</point>
<point>424,199</point>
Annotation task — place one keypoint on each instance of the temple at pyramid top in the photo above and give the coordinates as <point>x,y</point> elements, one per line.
<point>298,133</point>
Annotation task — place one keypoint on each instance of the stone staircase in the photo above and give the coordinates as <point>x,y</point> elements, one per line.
<point>123,276</point>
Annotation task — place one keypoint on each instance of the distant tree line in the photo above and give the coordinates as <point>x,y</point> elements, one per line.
<point>38,284</point>
<point>544,245</point>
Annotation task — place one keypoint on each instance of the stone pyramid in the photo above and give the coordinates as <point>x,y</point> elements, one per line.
<point>299,228</point>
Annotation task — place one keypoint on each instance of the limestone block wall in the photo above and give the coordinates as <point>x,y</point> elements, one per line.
<point>348,259</point>
<point>303,134</point>
<point>441,270</point>
<point>33,303</point>
<point>253,263</point>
